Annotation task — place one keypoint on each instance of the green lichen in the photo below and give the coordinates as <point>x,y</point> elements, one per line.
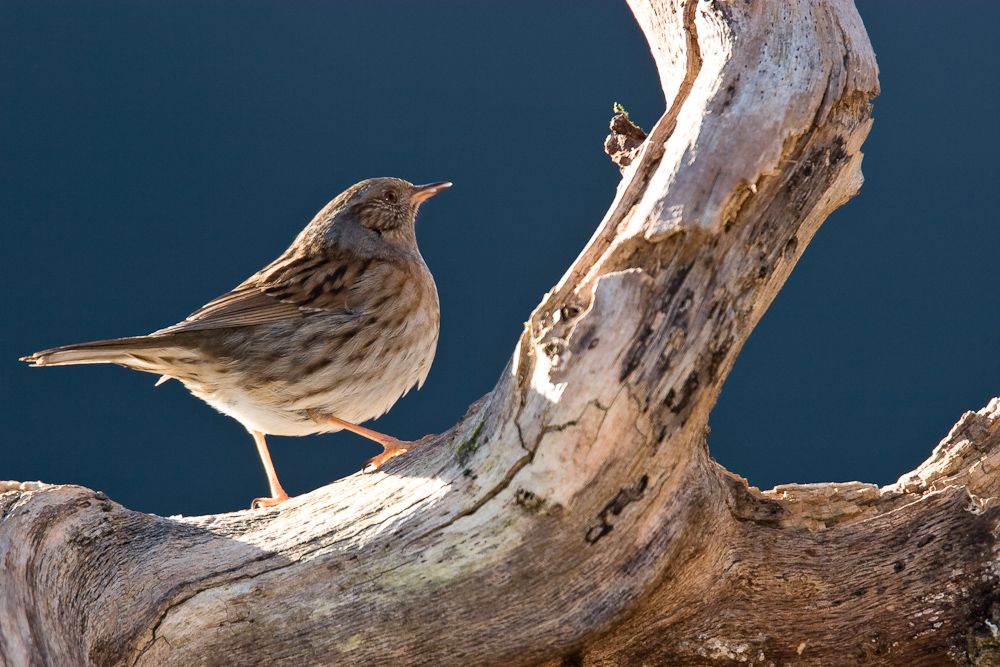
<point>618,108</point>
<point>469,445</point>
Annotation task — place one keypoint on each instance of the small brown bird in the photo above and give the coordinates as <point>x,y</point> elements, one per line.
<point>330,334</point>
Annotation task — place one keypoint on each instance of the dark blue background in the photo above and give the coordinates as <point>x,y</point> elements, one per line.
<point>153,155</point>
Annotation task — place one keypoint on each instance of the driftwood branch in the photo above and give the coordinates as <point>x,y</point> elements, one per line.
<point>574,516</point>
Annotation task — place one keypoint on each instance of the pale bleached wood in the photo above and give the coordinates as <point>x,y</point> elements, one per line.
<point>573,516</point>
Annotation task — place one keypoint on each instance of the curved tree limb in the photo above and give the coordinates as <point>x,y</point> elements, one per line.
<point>574,516</point>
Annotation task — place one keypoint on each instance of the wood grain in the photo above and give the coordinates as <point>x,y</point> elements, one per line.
<point>574,516</point>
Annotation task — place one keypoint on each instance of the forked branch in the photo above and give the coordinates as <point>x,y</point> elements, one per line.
<point>573,516</point>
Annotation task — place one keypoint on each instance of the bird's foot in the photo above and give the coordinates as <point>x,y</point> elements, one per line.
<point>392,450</point>
<point>260,503</point>
<point>391,447</point>
<point>278,494</point>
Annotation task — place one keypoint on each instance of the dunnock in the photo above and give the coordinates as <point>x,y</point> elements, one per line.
<point>330,334</point>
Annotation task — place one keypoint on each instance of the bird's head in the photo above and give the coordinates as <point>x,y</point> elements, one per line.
<point>374,213</point>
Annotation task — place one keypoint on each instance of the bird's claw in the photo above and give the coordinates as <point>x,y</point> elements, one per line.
<point>392,451</point>
<point>261,503</point>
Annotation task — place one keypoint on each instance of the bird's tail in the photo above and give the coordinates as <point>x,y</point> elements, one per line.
<point>141,353</point>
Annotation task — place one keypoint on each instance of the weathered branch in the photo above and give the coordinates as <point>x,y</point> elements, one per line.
<point>573,516</point>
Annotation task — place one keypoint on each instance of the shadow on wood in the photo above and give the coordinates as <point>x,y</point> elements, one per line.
<point>574,515</point>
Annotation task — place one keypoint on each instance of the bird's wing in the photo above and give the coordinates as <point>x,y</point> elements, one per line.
<point>241,307</point>
<point>291,288</point>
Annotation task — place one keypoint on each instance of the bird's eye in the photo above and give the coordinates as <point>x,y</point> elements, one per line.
<point>389,196</point>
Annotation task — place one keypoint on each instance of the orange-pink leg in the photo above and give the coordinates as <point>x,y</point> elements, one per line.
<point>278,494</point>
<point>391,446</point>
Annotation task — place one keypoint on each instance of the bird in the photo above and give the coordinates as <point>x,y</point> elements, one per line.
<point>330,334</point>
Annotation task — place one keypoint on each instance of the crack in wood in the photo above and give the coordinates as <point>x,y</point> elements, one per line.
<point>626,496</point>
<point>693,560</point>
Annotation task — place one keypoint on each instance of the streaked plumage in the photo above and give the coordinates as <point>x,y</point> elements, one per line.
<point>339,327</point>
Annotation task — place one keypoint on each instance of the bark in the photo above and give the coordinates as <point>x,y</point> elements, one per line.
<point>574,515</point>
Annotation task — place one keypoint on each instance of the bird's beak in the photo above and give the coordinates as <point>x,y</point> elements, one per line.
<point>424,192</point>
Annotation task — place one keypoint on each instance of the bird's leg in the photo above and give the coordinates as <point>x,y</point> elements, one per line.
<point>278,494</point>
<point>391,446</point>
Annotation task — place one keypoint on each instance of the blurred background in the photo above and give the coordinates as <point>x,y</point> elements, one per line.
<point>153,155</point>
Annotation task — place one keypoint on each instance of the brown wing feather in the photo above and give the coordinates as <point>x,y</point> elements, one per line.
<point>292,287</point>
